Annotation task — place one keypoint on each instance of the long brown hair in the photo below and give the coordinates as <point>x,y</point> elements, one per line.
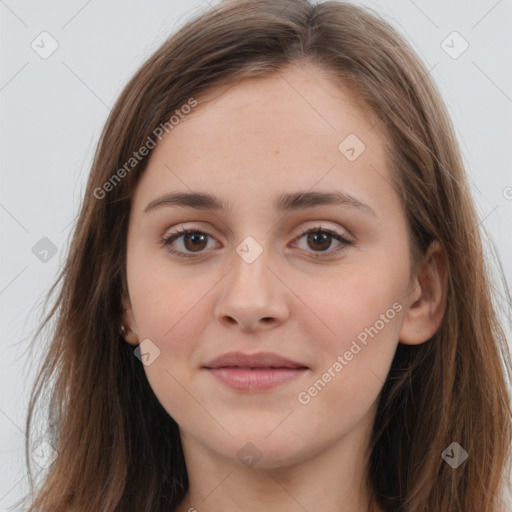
<point>117,449</point>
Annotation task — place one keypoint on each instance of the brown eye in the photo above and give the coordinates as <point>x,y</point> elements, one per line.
<point>195,241</point>
<point>190,241</point>
<point>319,240</point>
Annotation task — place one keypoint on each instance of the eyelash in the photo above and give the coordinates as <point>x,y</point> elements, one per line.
<point>167,241</point>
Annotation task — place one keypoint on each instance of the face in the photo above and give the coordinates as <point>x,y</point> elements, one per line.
<point>322,284</point>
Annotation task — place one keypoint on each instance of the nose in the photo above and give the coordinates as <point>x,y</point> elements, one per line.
<point>253,296</point>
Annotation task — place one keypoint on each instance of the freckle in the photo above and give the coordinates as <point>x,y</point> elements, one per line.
<point>277,151</point>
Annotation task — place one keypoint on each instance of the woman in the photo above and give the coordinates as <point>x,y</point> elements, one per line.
<point>275,296</point>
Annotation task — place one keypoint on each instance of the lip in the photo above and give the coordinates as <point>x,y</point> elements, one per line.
<point>254,372</point>
<point>259,360</point>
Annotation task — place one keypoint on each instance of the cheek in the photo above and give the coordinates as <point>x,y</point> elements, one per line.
<point>167,300</point>
<point>172,318</point>
<point>355,358</point>
<point>175,322</point>
<point>362,318</point>
<point>344,308</point>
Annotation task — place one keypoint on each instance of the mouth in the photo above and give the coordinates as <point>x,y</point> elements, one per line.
<point>256,372</point>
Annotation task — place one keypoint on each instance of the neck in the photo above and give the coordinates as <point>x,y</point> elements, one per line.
<point>332,480</point>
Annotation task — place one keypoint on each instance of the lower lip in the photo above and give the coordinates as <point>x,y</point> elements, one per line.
<point>257,379</point>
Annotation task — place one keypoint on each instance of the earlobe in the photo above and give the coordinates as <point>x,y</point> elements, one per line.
<point>127,326</point>
<point>428,300</point>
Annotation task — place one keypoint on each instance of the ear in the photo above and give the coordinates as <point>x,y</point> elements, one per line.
<point>128,321</point>
<point>427,300</point>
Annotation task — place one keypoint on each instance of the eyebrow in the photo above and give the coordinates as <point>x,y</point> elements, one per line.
<point>283,202</point>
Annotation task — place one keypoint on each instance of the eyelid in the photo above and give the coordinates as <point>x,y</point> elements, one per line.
<point>334,233</point>
<point>344,240</point>
<point>169,238</point>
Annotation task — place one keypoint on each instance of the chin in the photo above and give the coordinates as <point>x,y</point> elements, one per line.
<point>259,450</point>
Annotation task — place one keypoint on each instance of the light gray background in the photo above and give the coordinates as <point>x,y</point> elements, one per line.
<point>52,112</point>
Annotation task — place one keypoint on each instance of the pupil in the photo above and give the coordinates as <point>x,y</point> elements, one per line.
<point>194,237</point>
<point>315,238</point>
<point>312,237</point>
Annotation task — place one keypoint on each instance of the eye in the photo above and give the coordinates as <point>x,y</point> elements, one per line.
<point>320,239</point>
<point>195,241</point>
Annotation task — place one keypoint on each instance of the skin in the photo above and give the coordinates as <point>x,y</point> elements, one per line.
<point>244,143</point>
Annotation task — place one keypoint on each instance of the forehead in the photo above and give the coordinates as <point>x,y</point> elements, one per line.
<point>297,100</point>
<point>295,127</point>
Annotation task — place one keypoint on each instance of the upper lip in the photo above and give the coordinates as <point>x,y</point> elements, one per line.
<point>259,360</point>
